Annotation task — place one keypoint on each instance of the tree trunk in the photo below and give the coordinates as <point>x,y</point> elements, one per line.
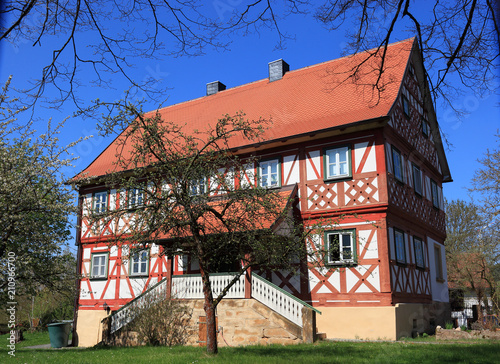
<point>209,308</point>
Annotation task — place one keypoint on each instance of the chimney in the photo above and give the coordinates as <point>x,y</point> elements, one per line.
<point>277,69</point>
<point>214,87</point>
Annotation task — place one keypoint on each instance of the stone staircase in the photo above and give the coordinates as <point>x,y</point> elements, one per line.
<point>270,315</point>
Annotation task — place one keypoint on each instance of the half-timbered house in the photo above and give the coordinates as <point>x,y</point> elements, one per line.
<point>354,144</point>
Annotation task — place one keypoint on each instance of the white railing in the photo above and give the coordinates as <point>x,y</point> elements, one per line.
<point>191,286</point>
<point>128,312</point>
<point>278,300</point>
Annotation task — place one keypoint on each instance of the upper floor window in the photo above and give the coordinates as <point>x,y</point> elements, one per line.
<point>417,179</point>
<point>198,187</point>
<point>99,267</point>
<point>406,105</point>
<point>435,194</point>
<point>418,247</point>
<point>397,164</point>
<point>399,246</point>
<point>425,127</point>
<point>340,247</point>
<point>135,197</point>
<point>337,163</point>
<point>269,173</point>
<point>100,202</point>
<point>139,263</point>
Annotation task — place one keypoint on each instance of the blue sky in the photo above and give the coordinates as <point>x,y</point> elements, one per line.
<point>246,61</point>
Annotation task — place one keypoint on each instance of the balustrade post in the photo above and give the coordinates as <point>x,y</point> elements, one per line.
<point>169,277</point>
<point>248,283</point>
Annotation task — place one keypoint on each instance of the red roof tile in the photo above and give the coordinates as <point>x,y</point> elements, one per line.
<point>306,100</point>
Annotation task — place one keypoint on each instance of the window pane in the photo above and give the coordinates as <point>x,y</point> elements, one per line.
<point>333,248</point>
<point>346,246</point>
<point>399,245</point>
<point>396,159</point>
<point>337,162</point>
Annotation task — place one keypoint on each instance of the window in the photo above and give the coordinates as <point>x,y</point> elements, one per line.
<point>100,202</point>
<point>99,265</point>
<point>438,262</point>
<point>397,164</point>
<point>341,248</point>
<point>435,194</point>
<point>418,246</point>
<point>399,245</point>
<point>425,128</point>
<point>417,180</point>
<point>269,173</point>
<point>406,106</point>
<point>135,197</point>
<point>198,187</point>
<point>139,263</point>
<point>337,163</point>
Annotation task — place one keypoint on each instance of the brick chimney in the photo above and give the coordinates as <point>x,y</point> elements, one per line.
<point>214,87</point>
<point>277,69</point>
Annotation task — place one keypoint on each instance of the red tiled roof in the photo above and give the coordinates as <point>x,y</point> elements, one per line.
<point>304,101</point>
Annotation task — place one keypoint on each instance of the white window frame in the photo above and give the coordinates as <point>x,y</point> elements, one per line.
<point>398,172</point>
<point>100,200</point>
<point>198,187</point>
<point>350,236</point>
<point>270,179</point>
<point>139,263</point>
<point>399,245</point>
<point>417,179</point>
<point>135,197</point>
<point>418,248</point>
<point>434,194</point>
<point>102,265</point>
<point>332,158</point>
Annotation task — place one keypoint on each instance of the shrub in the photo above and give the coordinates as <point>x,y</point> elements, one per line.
<point>164,323</point>
<point>448,325</point>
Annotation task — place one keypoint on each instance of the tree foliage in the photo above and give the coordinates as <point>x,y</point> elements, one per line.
<point>34,204</point>
<point>189,192</point>
<point>486,182</point>
<point>472,250</point>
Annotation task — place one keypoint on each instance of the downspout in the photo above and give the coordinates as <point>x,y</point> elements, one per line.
<point>74,340</point>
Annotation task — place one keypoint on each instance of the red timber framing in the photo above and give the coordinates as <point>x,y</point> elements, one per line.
<point>369,201</point>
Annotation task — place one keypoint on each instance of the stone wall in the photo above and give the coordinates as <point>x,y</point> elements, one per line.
<point>245,322</point>
<point>240,322</point>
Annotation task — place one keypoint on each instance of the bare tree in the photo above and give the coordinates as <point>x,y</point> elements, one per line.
<point>458,39</point>
<point>105,38</point>
<point>189,192</point>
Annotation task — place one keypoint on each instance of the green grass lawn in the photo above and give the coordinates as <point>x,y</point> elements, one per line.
<point>410,351</point>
